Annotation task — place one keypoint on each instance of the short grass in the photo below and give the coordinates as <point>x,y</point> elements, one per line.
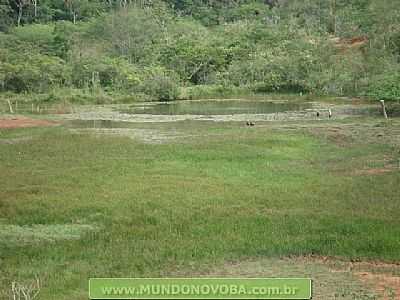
<point>88,206</point>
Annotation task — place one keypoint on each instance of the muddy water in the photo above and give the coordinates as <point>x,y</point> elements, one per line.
<point>154,122</point>
<point>229,110</point>
<point>100,124</point>
<point>212,107</point>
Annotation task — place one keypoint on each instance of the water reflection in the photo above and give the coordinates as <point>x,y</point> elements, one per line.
<point>213,107</point>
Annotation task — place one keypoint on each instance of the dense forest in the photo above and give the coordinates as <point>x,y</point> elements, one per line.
<point>172,49</point>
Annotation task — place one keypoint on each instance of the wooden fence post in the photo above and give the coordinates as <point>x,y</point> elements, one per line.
<point>384,109</point>
<point>10,106</point>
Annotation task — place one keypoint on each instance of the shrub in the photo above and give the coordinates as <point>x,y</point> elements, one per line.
<point>385,87</point>
<point>213,91</point>
<point>39,35</point>
<point>161,87</point>
<point>22,72</point>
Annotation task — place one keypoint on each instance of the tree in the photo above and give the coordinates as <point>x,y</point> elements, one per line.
<point>20,5</point>
<point>194,56</point>
<point>132,34</point>
<point>63,38</point>
<point>5,15</point>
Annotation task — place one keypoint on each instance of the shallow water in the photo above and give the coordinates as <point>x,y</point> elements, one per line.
<point>213,107</point>
<point>100,124</point>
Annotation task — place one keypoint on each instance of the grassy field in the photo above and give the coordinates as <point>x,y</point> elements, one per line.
<point>74,205</point>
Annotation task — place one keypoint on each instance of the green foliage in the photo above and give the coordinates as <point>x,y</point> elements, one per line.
<point>6,19</point>
<point>278,61</point>
<point>63,38</point>
<point>252,11</point>
<point>212,91</point>
<point>385,87</point>
<point>38,35</point>
<point>195,57</point>
<point>161,86</point>
<point>148,46</point>
<point>31,72</point>
<point>132,34</point>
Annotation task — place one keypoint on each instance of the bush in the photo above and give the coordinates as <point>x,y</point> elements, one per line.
<point>213,91</point>
<point>385,87</point>
<point>23,72</point>
<point>161,87</point>
<point>39,35</point>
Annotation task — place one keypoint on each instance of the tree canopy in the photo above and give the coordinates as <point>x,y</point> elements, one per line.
<point>153,47</point>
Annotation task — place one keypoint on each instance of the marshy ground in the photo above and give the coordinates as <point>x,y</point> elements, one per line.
<point>114,194</point>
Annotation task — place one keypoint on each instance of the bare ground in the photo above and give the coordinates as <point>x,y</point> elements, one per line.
<point>17,121</point>
<point>333,278</point>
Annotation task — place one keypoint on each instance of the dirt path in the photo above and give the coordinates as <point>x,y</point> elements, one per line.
<point>18,121</point>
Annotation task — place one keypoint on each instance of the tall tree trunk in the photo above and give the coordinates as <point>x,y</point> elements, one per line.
<point>10,106</point>
<point>320,14</point>
<point>123,3</point>
<point>333,16</point>
<point>20,5</point>
<point>35,8</point>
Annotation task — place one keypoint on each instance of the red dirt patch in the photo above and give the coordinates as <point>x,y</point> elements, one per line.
<point>386,285</point>
<point>343,44</point>
<point>379,275</point>
<point>21,122</point>
<point>373,172</point>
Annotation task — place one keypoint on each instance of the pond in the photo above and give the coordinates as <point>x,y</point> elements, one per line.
<point>217,107</point>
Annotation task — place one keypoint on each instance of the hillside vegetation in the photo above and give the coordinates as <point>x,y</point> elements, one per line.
<point>130,50</point>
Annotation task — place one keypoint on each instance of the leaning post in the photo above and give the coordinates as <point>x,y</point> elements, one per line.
<point>384,109</point>
<point>10,106</point>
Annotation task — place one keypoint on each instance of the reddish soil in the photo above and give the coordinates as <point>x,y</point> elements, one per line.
<point>373,171</point>
<point>380,275</point>
<point>343,44</point>
<point>385,284</point>
<point>20,122</point>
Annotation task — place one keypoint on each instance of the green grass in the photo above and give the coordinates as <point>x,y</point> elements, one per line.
<point>85,206</point>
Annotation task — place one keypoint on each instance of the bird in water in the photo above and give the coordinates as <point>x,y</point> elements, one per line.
<point>248,123</point>
<point>330,114</point>
<point>318,114</point>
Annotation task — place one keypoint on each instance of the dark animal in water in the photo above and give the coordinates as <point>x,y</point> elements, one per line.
<point>318,114</point>
<point>248,123</point>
